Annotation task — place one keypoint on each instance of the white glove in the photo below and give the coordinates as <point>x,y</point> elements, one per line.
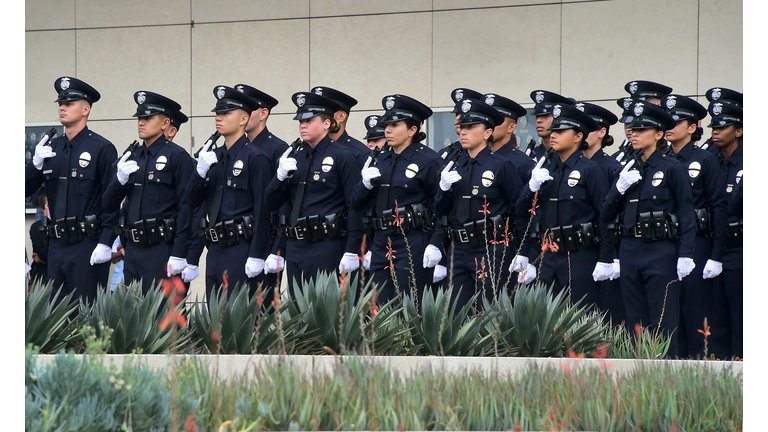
<point>628,177</point>
<point>440,273</point>
<point>527,276</point>
<point>189,273</point>
<point>712,269</point>
<point>684,267</point>
<point>42,152</point>
<point>101,254</point>
<point>616,269</point>
<point>253,267</point>
<point>367,260</point>
<point>519,264</point>
<point>125,168</point>
<point>27,268</point>
<point>175,265</point>
<point>274,264</point>
<point>538,176</point>
<point>448,177</point>
<point>206,160</point>
<point>369,173</point>
<point>603,271</point>
<point>285,165</point>
<point>432,256</point>
<point>349,262</point>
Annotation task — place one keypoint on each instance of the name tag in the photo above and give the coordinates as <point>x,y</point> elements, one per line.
<point>48,171</point>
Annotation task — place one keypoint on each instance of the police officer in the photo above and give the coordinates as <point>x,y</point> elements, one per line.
<point>346,102</point>
<point>570,193</point>
<point>177,119</point>
<point>728,314</point>
<point>609,296</point>
<point>649,91</point>
<point>230,183</point>
<point>374,136</point>
<point>657,226</point>
<point>76,168</point>
<point>625,150</point>
<point>711,225</point>
<point>155,218</point>
<point>477,198</point>
<point>274,147</point>
<point>401,185</point>
<point>545,100</point>
<point>722,95</point>
<point>458,95</point>
<point>317,181</point>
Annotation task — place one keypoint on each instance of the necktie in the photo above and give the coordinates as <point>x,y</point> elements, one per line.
<point>551,217</point>
<point>221,177</point>
<point>633,195</point>
<point>382,201</point>
<point>300,190</point>
<point>462,211</point>
<point>134,210</point>
<point>61,193</point>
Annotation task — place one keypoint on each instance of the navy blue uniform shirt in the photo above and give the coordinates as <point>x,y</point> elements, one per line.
<point>358,149</point>
<point>733,167</point>
<point>273,146</point>
<point>522,162</point>
<point>90,171</point>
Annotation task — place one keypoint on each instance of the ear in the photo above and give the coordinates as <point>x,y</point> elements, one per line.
<point>487,134</point>
<point>412,131</point>
<point>165,124</point>
<point>340,116</point>
<point>578,136</point>
<point>512,127</point>
<point>244,118</point>
<point>739,132</point>
<point>86,109</point>
<point>263,114</point>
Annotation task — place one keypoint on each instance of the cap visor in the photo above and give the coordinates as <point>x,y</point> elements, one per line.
<point>305,115</point>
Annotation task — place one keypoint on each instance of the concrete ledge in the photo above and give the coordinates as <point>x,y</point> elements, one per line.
<point>241,366</point>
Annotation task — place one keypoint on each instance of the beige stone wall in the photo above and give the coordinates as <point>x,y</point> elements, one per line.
<point>586,50</point>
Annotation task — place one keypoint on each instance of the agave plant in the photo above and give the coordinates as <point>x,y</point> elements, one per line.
<point>540,325</point>
<point>344,321</point>
<point>135,320</point>
<point>645,344</point>
<point>232,324</point>
<point>49,324</point>
<point>442,330</point>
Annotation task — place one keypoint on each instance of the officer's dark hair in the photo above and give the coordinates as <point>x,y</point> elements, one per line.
<point>583,145</point>
<point>335,126</point>
<point>661,144</point>
<point>41,198</point>
<point>607,139</point>
<point>696,136</point>
<point>420,136</point>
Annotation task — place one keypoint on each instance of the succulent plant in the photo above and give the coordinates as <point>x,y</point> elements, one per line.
<point>49,322</point>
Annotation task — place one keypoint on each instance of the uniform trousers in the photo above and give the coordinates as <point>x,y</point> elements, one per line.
<point>727,324</point>
<point>408,265</point>
<point>69,266</point>
<point>304,260</point>
<point>146,263</point>
<point>230,260</point>
<point>695,302</point>
<point>560,270</point>
<point>470,277</point>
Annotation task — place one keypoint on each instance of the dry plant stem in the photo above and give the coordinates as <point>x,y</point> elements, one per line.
<point>279,321</point>
<point>412,279</point>
<point>569,276</point>
<point>663,307</point>
<point>393,276</point>
<point>525,236</point>
<point>362,333</point>
<point>443,319</point>
<point>342,282</point>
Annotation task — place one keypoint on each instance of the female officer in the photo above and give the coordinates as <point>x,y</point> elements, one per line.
<point>374,136</point>
<point>569,206</point>
<point>317,180</point>
<point>400,185</point>
<point>711,227</point>
<point>478,200</point>
<point>657,225</point>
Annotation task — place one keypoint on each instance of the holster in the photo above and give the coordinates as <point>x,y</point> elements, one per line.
<point>569,236</point>
<point>92,227</point>
<point>44,230</point>
<point>646,226</point>
<point>673,225</point>
<point>736,233</point>
<point>420,221</point>
<point>274,225</point>
<point>703,221</point>
<point>248,227</point>
<point>141,232</point>
<point>333,226</point>
<point>588,235</point>
<point>221,234</point>
<point>168,229</point>
<point>659,225</point>
<point>474,235</point>
<point>153,231</point>
<point>615,229</point>
<point>73,229</point>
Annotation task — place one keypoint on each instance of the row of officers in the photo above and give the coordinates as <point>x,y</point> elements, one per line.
<point>652,234</point>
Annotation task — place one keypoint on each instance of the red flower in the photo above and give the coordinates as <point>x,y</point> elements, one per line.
<point>602,352</point>
<point>705,332</point>
<point>638,330</point>
<point>259,296</point>
<point>373,308</point>
<point>485,210</point>
<point>214,337</point>
<point>225,278</point>
<point>174,290</point>
<point>173,317</point>
<point>535,205</point>
<point>481,273</point>
<point>390,252</point>
<point>189,425</point>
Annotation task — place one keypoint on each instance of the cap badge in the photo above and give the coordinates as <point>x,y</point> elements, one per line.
<point>694,169</point>
<point>573,178</point>
<point>327,164</point>
<point>739,175</point>
<point>411,170</point>
<point>717,108</point>
<point>160,163</point>
<point>64,83</point>
<point>489,99</point>
<point>639,109</point>
<point>657,178</point>
<point>319,91</point>
<point>85,159</point>
<point>141,98</point>
<point>237,168</point>
<point>300,100</point>
<point>716,93</point>
<point>627,102</point>
<point>240,89</point>
<point>633,87</point>
<point>487,178</point>
<point>466,105</point>
<point>671,102</point>
<point>556,111</point>
<point>390,102</point>
<point>580,107</point>
<point>539,96</point>
<point>220,92</point>
<point>459,95</point>
<point>373,121</point>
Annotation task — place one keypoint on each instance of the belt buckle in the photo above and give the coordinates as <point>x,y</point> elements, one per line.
<point>56,231</point>
<point>213,235</point>
<point>637,233</point>
<point>463,236</point>
<point>296,233</point>
<point>134,235</point>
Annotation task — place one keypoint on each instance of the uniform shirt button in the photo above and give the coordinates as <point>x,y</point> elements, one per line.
<point>571,196</point>
<point>654,197</point>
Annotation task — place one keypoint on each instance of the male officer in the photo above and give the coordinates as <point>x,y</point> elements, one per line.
<point>545,100</point>
<point>177,119</point>
<point>728,317</point>
<point>76,168</point>
<point>274,147</point>
<point>648,91</point>
<point>374,136</point>
<point>346,103</point>
<point>230,183</point>
<point>155,218</point>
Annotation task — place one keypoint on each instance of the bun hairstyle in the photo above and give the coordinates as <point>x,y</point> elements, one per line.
<point>607,139</point>
<point>335,126</point>
<point>661,144</point>
<point>696,136</point>
<point>420,136</point>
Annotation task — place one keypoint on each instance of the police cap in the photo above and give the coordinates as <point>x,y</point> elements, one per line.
<point>345,101</point>
<point>725,114</point>
<point>722,94</point>
<point>476,111</point>
<point>310,105</point>
<point>459,94</point>
<point>648,115</point>
<point>229,99</point>
<point>599,114</point>
<point>178,118</point>
<point>505,106</point>
<point>566,116</point>
<point>264,100</point>
<point>682,107</point>
<point>149,103</point>
<point>375,128</point>
<point>70,89</point>
<point>545,100</point>
<point>402,107</point>
<point>647,89</point>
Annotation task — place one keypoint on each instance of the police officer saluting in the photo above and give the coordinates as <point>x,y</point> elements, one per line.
<point>317,180</point>
<point>76,168</point>
<point>230,183</point>
<point>155,218</point>
<point>545,101</point>
<point>711,220</point>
